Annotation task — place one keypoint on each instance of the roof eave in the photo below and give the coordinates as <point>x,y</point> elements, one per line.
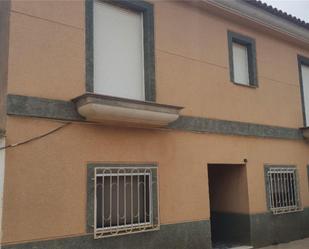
<point>259,16</point>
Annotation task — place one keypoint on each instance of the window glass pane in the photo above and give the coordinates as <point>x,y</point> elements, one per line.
<point>305,78</point>
<point>118,52</point>
<point>240,62</point>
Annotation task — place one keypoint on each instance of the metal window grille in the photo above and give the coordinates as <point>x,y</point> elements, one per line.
<point>124,201</point>
<point>283,190</point>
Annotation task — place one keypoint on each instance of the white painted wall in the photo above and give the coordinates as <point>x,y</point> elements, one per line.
<point>305,78</point>
<point>118,52</point>
<point>2,169</point>
<point>240,62</point>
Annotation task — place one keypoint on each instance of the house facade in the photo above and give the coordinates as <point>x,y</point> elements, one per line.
<point>158,124</point>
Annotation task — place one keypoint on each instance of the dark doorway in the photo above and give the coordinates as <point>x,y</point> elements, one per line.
<point>229,205</point>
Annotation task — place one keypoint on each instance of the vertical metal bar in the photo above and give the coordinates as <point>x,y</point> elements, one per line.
<point>292,189</point>
<point>132,213</point>
<point>296,190</point>
<point>110,199</point>
<point>95,203</point>
<point>271,191</point>
<point>288,189</point>
<point>150,200</point>
<point>145,197</point>
<point>138,200</point>
<point>281,189</point>
<point>125,200</point>
<point>275,189</point>
<point>102,201</point>
<point>285,190</point>
<point>118,198</point>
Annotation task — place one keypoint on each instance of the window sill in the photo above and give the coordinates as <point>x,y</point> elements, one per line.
<point>248,86</point>
<point>115,110</point>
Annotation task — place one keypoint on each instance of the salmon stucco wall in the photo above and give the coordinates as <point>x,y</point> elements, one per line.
<point>45,189</point>
<point>47,59</point>
<point>45,180</point>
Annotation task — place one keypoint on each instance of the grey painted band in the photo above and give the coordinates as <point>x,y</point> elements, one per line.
<point>262,229</point>
<point>268,229</point>
<point>42,108</point>
<point>257,230</point>
<point>148,34</point>
<point>190,235</point>
<point>66,110</point>
<point>226,127</point>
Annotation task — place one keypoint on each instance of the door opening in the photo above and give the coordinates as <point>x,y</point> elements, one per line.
<point>229,205</point>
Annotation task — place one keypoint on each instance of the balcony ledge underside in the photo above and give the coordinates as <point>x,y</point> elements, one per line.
<point>114,110</point>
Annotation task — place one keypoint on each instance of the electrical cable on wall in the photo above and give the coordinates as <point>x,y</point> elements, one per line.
<point>35,138</point>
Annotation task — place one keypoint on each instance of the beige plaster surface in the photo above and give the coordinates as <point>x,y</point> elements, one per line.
<point>47,59</point>
<point>45,187</point>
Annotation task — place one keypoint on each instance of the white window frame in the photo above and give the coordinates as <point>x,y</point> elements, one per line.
<point>283,180</point>
<point>133,227</point>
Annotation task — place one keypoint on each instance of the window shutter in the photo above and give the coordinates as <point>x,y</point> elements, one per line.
<point>240,62</point>
<point>118,52</point>
<point>305,80</point>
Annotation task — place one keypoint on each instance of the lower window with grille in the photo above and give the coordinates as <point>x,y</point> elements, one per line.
<point>283,189</point>
<point>125,200</point>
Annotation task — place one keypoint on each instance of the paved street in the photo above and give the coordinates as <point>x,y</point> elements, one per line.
<point>299,244</point>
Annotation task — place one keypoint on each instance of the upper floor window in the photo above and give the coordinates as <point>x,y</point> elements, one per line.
<point>242,59</point>
<point>120,49</point>
<point>283,189</point>
<point>303,63</point>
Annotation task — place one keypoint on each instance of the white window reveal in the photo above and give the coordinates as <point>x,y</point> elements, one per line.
<point>240,63</point>
<point>118,52</point>
<point>305,85</point>
<point>124,201</point>
<point>283,190</point>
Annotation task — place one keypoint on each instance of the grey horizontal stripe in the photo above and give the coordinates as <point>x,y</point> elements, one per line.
<point>66,110</point>
<point>225,127</point>
<point>41,107</point>
<point>188,235</point>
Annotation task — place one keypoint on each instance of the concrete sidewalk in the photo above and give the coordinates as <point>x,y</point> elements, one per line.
<point>298,244</point>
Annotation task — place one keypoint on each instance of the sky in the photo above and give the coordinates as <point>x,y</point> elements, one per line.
<point>298,8</point>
